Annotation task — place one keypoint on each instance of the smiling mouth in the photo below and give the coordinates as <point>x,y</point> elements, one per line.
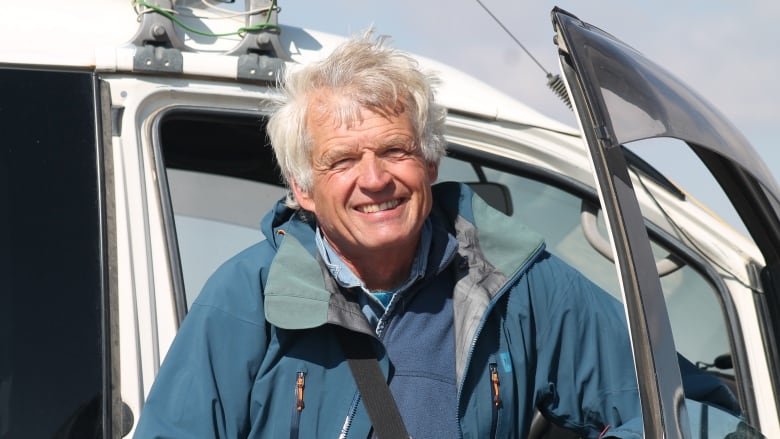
<point>371,208</point>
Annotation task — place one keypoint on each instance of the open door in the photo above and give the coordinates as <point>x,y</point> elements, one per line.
<point>620,96</point>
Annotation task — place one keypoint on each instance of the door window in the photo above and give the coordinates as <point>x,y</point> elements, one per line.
<point>223,179</point>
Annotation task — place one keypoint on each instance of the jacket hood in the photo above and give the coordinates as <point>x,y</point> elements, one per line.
<point>282,220</point>
<point>505,242</point>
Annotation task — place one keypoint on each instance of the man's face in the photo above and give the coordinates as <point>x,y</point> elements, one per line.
<point>371,187</point>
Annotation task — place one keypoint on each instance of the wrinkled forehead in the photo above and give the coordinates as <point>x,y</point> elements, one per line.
<point>346,107</point>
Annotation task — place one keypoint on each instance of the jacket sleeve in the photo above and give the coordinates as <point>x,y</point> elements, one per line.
<point>204,384</point>
<point>585,379</point>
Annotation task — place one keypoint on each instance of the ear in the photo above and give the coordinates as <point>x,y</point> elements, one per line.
<point>304,198</point>
<point>433,171</point>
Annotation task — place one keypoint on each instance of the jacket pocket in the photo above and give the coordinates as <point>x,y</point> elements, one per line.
<point>298,405</point>
<point>495,393</point>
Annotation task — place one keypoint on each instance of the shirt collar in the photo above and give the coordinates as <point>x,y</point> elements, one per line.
<point>347,279</point>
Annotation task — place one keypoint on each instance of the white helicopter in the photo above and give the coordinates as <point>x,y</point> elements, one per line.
<point>132,138</point>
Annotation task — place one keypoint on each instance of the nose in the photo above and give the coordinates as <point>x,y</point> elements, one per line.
<point>373,173</point>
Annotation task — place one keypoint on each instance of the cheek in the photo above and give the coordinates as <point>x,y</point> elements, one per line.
<point>334,191</point>
<point>334,184</point>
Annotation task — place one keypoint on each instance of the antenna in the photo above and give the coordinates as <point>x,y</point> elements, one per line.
<point>554,82</point>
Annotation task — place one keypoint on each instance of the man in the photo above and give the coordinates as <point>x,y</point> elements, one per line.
<point>473,322</point>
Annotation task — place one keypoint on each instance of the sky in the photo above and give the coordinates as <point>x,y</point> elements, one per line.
<point>729,52</point>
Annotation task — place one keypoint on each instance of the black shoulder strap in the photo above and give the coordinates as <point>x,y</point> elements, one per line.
<point>373,388</point>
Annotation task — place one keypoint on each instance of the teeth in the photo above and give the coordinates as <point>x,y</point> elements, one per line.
<point>371,208</point>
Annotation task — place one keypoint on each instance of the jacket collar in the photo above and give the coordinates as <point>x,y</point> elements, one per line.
<point>300,293</point>
<point>503,241</point>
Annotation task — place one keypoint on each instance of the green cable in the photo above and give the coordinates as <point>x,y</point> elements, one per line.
<point>241,31</point>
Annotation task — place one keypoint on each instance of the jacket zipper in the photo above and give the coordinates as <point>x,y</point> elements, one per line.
<point>495,393</point>
<point>485,313</point>
<point>300,383</point>
<point>350,416</point>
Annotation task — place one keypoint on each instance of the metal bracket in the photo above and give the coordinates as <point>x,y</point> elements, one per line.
<point>259,67</point>
<point>149,58</point>
<point>260,53</point>
<point>158,45</point>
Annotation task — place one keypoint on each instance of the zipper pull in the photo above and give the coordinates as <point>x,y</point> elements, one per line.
<point>299,391</point>
<point>494,380</point>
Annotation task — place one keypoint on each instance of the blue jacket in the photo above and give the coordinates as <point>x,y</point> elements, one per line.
<point>257,356</point>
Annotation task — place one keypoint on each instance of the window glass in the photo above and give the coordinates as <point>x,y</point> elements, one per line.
<point>216,217</point>
<point>708,421</point>
<point>204,245</point>
<point>222,179</point>
<point>51,342</point>
<point>688,171</point>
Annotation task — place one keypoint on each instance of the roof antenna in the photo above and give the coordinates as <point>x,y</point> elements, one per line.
<point>554,82</point>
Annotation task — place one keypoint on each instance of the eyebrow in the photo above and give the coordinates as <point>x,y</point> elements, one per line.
<point>398,138</point>
<point>336,153</point>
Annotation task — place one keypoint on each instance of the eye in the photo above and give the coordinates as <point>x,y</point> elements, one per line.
<point>341,162</point>
<point>396,151</point>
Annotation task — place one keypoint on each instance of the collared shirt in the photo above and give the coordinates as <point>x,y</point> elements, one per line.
<point>374,303</point>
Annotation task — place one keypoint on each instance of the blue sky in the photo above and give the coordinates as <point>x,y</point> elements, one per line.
<point>729,52</point>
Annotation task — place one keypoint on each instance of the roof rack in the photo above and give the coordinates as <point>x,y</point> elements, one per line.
<point>159,47</point>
